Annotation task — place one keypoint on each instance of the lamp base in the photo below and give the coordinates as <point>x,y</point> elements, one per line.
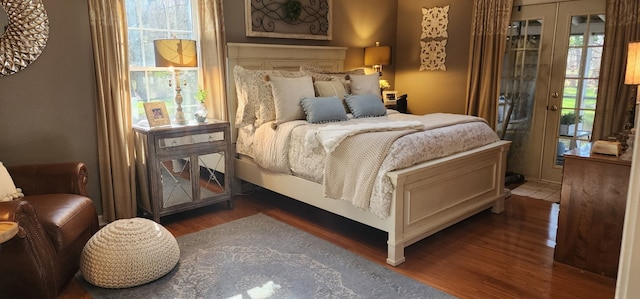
<point>179,120</point>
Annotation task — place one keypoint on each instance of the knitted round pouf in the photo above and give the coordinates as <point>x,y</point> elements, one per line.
<point>129,252</point>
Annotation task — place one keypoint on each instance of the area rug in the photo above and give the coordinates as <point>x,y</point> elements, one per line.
<point>539,190</point>
<point>260,257</point>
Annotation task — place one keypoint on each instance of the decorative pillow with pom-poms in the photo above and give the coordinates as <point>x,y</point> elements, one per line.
<point>8,190</point>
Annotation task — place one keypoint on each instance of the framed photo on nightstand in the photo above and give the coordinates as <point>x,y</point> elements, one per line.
<point>389,97</point>
<point>157,114</point>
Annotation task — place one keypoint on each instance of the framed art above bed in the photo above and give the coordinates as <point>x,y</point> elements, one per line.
<point>299,19</point>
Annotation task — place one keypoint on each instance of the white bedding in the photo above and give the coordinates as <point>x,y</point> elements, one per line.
<point>304,159</point>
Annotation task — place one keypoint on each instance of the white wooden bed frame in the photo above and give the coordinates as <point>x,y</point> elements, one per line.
<point>428,197</point>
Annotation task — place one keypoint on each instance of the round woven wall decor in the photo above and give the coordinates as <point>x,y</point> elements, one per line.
<point>26,35</point>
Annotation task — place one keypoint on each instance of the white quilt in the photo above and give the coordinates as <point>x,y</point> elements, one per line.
<point>290,149</point>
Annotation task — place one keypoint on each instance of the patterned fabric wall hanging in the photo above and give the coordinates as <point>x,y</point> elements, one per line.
<point>433,40</point>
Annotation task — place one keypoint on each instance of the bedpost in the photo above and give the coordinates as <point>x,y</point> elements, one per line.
<point>395,253</point>
<point>498,206</point>
<point>395,243</point>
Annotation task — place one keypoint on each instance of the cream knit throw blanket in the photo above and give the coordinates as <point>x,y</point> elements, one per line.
<point>352,166</point>
<point>352,179</point>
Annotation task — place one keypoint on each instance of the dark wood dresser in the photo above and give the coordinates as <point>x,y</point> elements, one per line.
<point>592,207</point>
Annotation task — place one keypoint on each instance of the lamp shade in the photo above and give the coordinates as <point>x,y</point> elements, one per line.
<point>632,75</point>
<point>175,52</point>
<point>378,55</point>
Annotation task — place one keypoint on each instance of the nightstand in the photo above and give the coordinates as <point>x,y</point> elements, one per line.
<point>183,167</point>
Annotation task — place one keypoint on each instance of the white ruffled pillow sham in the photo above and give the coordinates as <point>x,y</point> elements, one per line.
<point>255,99</point>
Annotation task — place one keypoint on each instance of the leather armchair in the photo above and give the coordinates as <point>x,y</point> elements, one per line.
<point>55,219</point>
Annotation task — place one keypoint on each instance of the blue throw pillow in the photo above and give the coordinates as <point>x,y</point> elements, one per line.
<point>368,105</point>
<point>322,110</point>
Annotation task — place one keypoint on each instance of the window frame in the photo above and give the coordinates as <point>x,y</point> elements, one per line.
<point>158,83</point>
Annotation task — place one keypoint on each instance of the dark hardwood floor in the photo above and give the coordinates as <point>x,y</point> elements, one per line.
<point>509,255</point>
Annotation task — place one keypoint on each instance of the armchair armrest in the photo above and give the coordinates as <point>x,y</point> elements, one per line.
<point>22,212</point>
<point>9,209</point>
<point>30,254</point>
<point>66,177</point>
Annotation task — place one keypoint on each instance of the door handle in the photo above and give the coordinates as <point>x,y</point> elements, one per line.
<point>555,95</point>
<point>553,107</point>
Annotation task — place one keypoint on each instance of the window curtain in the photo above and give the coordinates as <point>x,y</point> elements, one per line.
<point>489,26</point>
<point>113,114</point>
<point>213,57</point>
<point>615,99</point>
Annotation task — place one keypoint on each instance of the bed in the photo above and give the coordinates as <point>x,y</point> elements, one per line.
<point>423,199</point>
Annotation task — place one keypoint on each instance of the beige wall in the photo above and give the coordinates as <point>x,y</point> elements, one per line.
<point>433,91</point>
<point>47,111</point>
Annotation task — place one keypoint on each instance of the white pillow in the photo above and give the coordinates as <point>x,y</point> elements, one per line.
<point>287,93</point>
<point>365,84</point>
<point>8,190</point>
<point>331,89</point>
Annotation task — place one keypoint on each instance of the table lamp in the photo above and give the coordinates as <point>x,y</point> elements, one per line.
<point>377,56</point>
<point>632,75</point>
<point>176,53</point>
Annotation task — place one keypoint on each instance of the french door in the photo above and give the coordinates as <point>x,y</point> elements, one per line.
<point>549,84</point>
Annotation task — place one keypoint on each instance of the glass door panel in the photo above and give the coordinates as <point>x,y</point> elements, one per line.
<point>578,41</point>
<point>580,88</point>
<point>525,59</point>
<point>519,76</point>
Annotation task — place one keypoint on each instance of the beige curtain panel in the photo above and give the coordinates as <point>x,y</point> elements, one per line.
<point>113,112</point>
<point>490,22</point>
<point>213,57</point>
<point>615,99</point>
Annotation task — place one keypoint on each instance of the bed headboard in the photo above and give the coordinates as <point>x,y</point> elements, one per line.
<point>276,57</point>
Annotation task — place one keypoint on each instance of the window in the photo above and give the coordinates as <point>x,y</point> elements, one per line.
<point>149,20</point>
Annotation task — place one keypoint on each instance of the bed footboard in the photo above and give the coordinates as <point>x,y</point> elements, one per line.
<point>428,197</point>
<point>434,195</point>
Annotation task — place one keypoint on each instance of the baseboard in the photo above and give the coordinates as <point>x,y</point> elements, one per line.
<point>101,222</point>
